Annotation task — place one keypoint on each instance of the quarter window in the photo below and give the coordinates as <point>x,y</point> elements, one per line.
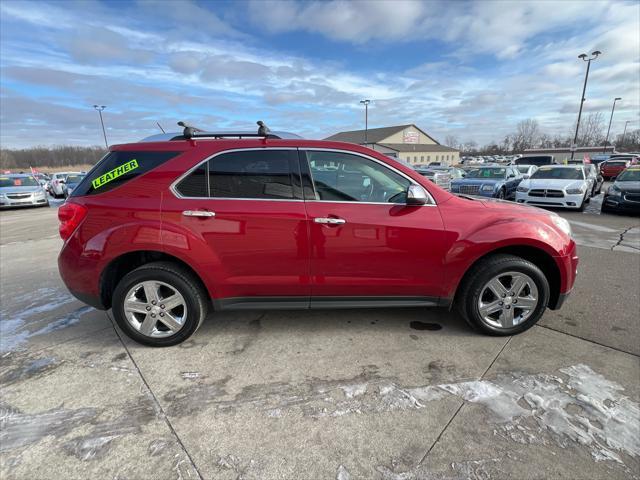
<point>351,178</point>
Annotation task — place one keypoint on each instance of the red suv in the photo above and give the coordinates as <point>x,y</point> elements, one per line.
<point>163,231</point>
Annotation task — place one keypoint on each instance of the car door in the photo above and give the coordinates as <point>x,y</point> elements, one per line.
<point>246,206</point>
<point>512,181</point>
<point>365,241</point>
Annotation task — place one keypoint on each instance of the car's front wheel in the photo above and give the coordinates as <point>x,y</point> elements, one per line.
<point>159,304</point>
<point>503,295</point>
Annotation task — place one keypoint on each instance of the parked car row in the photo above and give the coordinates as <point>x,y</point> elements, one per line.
<point>566,186</point>
<point>30,189</point>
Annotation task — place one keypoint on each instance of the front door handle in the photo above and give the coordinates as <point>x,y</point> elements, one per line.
<point>330,221</point>
<point>198,213</point>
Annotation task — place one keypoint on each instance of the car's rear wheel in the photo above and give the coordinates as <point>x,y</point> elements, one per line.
<point>159,304</point>
<point>503,295</point>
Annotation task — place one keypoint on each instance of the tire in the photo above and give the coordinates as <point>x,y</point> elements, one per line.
<point>583,204</point>
<point>169,278</point>
<point>474,288</point>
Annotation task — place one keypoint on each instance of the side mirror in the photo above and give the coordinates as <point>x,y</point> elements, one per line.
<point>416,195</point>
<point>525,176</point>
<point>512,176</point>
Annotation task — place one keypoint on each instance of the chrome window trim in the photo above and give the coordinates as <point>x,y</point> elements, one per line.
<point>431,203</point>
<point>178,195</point>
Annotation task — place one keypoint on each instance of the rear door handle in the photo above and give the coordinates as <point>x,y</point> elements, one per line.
<point>198,213</point>
<point>330,221</point>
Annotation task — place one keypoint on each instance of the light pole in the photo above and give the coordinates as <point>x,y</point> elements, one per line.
<point>366,118</point>
<point>100,108</point>
<point>606,140</point>
<point>584,58</point>
<point>624,132</point>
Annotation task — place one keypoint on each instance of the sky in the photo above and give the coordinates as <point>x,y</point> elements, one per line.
<point>468,69</point>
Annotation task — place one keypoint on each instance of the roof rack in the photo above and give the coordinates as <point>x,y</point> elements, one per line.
<point>191,131</point>
<point>194,132</point>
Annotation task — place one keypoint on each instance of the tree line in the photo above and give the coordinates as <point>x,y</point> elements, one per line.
<point>52,157</point>
<point>528,134</point>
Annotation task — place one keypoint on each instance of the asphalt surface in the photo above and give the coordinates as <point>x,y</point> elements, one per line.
<point>323,394</point>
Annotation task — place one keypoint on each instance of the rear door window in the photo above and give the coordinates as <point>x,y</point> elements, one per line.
<point>118,168</point>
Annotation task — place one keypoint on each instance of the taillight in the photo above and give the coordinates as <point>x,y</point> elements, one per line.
<point>70,216</point>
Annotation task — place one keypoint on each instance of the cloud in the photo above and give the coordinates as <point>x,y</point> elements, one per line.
<point>102,45</point>
<point>472,69</point>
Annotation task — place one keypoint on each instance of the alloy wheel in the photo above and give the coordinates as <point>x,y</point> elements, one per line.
<point>508,299</point>
<point>155,309</point>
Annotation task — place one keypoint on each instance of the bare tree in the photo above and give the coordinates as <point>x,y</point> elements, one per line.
<point>55,157</point>
<point>452,141</point>
<point>631,141</point>
<point>591,131</point>
<point>469,147</point>
<point>527,135</point>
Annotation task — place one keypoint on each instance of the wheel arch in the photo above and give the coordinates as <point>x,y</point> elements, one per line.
<point>537,256</point>
<point>127,262</point>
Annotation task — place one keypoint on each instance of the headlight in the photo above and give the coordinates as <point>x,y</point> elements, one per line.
<point>488,188</point>
<point>562,224</point>
<point>523,189</point>
<point>2,195</point>
<point>613,190</point>
<point>574,191</point>
<point>39,194</point>
<point>454,187</point>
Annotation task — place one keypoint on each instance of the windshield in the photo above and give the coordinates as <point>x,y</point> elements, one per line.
<point>74,178</point>
<point>487,173</point>
<point>541,160</point>
<point>18,182</point>
<point>629,176</point>
<point>559,173</point>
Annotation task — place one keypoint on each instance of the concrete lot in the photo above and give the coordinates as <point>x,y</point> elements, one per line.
<point>338,395</point>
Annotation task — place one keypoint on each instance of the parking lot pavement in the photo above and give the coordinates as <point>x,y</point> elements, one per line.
<point>341,394</point>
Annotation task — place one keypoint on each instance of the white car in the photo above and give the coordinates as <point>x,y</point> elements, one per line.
<point>565,186</point>
<point>527,170</point>
<point>58,180</point>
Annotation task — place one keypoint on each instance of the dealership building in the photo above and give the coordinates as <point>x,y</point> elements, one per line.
<point>406,142</point>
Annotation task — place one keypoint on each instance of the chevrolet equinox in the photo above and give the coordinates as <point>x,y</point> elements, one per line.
<point>164,230</point>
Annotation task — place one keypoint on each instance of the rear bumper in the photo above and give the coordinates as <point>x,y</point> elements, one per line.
<point>91,300</point>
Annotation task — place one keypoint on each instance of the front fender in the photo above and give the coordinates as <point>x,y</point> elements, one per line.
<point>474,240</point>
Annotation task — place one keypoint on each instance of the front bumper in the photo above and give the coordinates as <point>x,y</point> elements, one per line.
<point>27,201</point>
<point>566,201</point>
<point>479,193</point>
<point>620,203</point>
